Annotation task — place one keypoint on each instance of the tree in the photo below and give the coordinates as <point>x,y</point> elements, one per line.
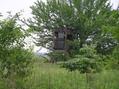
<point>14,59</point>
<point>109,43</point>
<point>109,39</point>
<point>106,45</point>
<point>84,18</point>
<point>87,62</point>
<point>113,28</point>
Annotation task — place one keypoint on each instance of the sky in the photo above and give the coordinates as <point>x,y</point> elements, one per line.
<point>15,6</point>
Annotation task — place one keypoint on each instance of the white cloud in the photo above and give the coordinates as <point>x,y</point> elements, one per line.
<point>17,5</point>
<point>115,3</point>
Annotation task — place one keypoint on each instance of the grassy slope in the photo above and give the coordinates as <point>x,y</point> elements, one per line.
<point>51,76</point>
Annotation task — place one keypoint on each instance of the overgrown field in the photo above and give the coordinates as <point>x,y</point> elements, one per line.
<point>51,76</point>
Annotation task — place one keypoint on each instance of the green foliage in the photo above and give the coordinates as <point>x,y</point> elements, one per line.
<point>51,76</point>
<point>111,62</point>
<point>116,53</point>
<point>87,62</point>
<point>73,47</point>
<point>113,26</point>
<point>14,59</point>
<point>115,57</point>
<point>58,56</point>
<point>83,17</point>
<point>15,62</point>
<point>9,33</point>
<point>109,39</point>
<point>106,45</point>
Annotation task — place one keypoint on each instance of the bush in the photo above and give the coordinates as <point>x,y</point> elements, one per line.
<point>112,61</point>
<point>14,59</point>
<point>15,67</point>
<point>58,56</point>
<point>73,47</point>
<point>86,62</point>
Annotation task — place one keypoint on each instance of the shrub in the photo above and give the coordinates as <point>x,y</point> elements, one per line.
<point>58,56</point>
<point>86,62</point>
<point>14,59</point>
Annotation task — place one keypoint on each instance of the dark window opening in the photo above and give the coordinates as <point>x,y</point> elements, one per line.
<point>69,37</point>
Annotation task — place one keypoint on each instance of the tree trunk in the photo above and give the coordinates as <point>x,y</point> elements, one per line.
<point>82,42</point>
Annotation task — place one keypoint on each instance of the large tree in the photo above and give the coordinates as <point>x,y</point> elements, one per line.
<point>110,37</point>
<point>14,59</point>
<point>83,17</point>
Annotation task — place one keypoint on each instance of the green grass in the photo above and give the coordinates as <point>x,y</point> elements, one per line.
<point>51,76</point>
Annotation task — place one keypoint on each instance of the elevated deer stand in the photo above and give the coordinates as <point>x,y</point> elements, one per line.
<point>60,38</point>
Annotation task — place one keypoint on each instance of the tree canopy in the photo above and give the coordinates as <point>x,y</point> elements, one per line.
<point>83,17</point>
<point>14,59</point>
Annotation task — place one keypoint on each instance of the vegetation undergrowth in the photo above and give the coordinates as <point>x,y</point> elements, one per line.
<point>52,76</point>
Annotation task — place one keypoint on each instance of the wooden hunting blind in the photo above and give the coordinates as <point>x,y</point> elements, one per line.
<point>60,38</point>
